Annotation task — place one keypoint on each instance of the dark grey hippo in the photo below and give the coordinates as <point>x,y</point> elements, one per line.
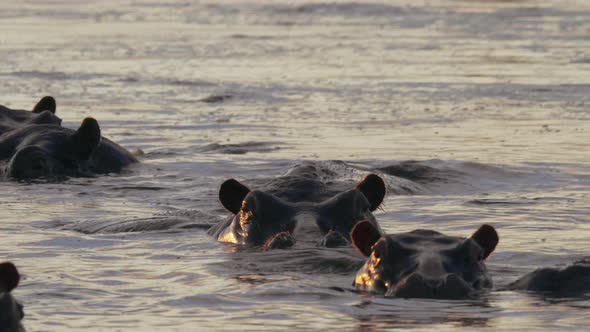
<point>11,312</point>
<point>571,280</point>
<point>51,151</point>
<point>423,263</point>
<point>43,113</point>
<point>297,207</point>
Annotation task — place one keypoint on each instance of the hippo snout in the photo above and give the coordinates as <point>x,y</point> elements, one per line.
<point>30,163</point>
<point>451,286</point>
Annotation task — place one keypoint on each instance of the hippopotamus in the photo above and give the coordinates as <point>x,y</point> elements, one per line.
<point>43,113</point>
<point>423,263</point>
<point>11,312</point>
<point>298,206</point>
<point>571,280</point>
<point>35,145</point>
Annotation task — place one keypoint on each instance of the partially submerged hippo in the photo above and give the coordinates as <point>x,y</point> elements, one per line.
<point>423,263</point>
<point>11,312</point>
<point>296,207</point>
<point>571,280</point>
<point>48,150</point>
<point>43,113</point>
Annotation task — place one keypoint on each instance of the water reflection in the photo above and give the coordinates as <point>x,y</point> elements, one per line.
<point>375,314</point>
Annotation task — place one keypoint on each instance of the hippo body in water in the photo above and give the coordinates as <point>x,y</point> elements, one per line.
<point>34,147</point>
<point>11,312</point>
<point>43,113</point>
<point>298,206</point>
<point>423,263</point>
<point>571,280</point>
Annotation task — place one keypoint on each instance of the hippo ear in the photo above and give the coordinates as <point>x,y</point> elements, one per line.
<point>46,103</point>
<point>487,238</point>
<point>364,235</point>
<point>9,277</point>
<point>373,187</point>
<point>86,138</point>
<point>231,195</point>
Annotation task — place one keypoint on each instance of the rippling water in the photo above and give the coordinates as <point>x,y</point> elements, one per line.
<point>493,94</point>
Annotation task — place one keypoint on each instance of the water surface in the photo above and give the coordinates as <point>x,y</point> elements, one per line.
<point>493,94</point>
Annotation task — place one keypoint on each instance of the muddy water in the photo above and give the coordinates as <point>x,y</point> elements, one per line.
<point>495,95</point>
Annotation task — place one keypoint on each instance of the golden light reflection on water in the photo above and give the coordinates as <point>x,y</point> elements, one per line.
<point>503,84</point>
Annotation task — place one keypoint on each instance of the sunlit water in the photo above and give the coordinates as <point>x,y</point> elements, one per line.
<point>495,94</point>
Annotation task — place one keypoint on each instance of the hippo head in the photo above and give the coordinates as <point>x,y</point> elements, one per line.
<point>11,312</point>
<point>423,263</point>
<point>48,151</point>
<point>262,219</point>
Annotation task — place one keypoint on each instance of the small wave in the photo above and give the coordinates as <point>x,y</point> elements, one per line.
<point>171,221</point>
<point>498,202</point>
<point>216,98</point>
<point>254,37</point>
<point>419,172</point>
<point>451,177</point>
<point>240,148</point>
<point>165,81</point>
<point>56,75</point>
<point>581,60</point>
<point>189,83</point>
<point>344,9</point>
<point>301,260</point>
<point>141,188</point>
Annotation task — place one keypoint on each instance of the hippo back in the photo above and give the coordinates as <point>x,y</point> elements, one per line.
<point>571,280</point>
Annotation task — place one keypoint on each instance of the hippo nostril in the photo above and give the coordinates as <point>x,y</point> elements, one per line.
<point>430,283</point>
<point>334,239</point>
<point>281,240</point>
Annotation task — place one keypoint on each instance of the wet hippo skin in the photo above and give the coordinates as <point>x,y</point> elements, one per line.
<point>571,280</point>
<point>11,312</point>
<point>300,209</point>
<point>423,263</point>
<point>29,149</point>
<point>43,113</point>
